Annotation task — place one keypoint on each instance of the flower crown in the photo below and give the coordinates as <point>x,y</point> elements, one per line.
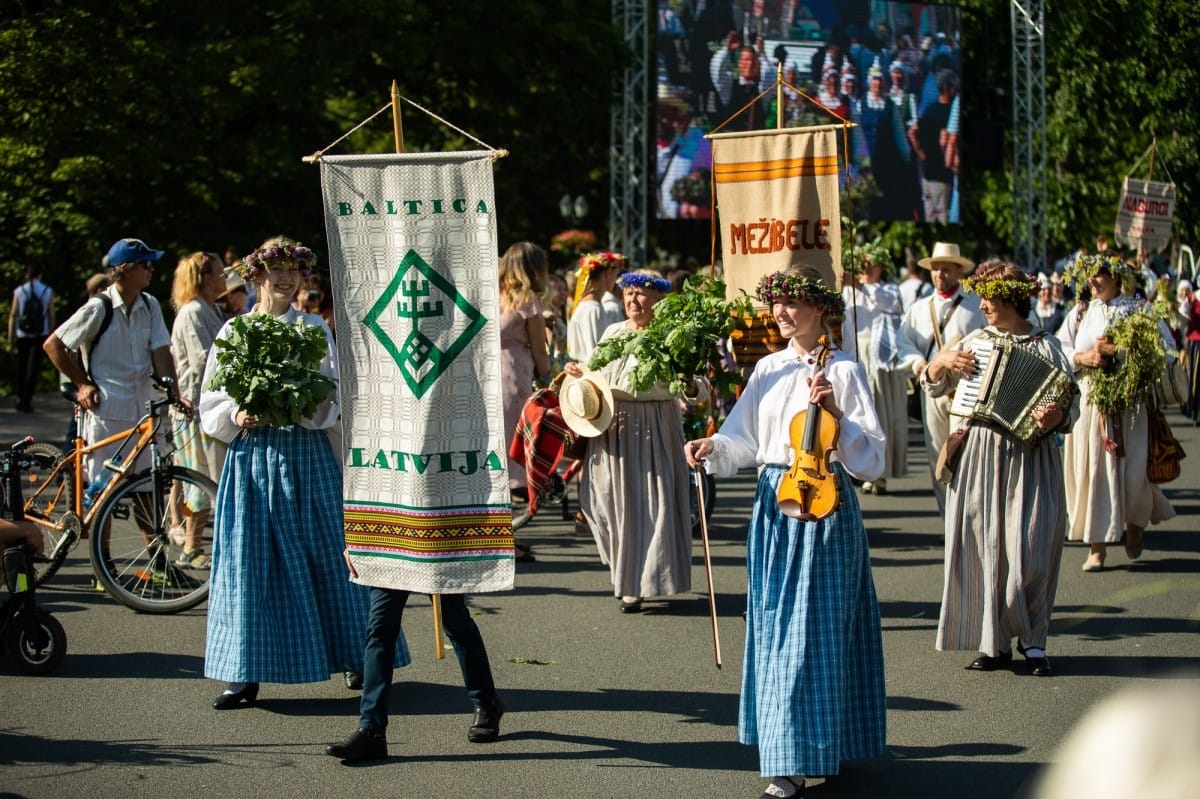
<point>781,286</point>
<point>643,281</point>
<point>261,259</point>
<point>601,260</point>
<point>864,255</point>
<point>1081,269</point>
<point>1007,289</point>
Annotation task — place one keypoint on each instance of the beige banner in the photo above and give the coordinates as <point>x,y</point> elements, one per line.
<point>1144,214</point>
<point>777,202</point>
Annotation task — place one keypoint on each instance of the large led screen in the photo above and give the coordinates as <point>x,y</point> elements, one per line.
<point>894,69</point>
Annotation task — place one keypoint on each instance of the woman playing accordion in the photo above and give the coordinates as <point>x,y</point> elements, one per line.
<point>1006,512</point>
<point>812,680</point>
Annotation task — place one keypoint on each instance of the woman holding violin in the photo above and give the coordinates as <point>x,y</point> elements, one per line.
<point>812,683</point>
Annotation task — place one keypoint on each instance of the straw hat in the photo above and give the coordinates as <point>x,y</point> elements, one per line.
<point>945,251</point>
<point>586,404</point>
<point>233,281</point>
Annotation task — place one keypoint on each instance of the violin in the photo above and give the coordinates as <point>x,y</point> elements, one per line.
<point>809,489</point>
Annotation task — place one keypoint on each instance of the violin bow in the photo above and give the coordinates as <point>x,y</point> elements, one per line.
<point>698,474</point>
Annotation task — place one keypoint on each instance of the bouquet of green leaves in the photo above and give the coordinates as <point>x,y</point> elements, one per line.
<point>683,339</point>
<point>1141,359</point>
<point>271,368</point>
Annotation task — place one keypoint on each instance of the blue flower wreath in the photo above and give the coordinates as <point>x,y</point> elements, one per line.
<point>643,281</point>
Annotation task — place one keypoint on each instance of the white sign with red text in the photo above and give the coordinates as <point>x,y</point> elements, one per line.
<point>1144,214</point>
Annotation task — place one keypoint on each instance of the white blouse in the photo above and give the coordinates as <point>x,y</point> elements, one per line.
<point>757,430</point>
<point>218,411</point>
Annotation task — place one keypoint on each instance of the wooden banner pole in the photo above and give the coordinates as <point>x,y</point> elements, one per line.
<point>439,645</point>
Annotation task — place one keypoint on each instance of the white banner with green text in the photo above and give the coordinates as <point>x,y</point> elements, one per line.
<point>413,262</point>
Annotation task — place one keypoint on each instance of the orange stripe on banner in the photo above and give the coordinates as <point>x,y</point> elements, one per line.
<point>746,171</point>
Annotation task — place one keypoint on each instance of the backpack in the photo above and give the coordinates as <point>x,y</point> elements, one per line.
<point>84,356</point>
<point>33,314</point>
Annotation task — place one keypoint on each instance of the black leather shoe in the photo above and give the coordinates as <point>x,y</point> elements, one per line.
<point>1039,667</point>
<point>353,680</point>
<point>234,696</point>
<point>362,745</point>
<point>485,725</point>
<point>989,663</point>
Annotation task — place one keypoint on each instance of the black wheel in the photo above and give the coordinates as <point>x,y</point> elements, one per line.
<point>709,487</point>
<point>55,503</point>
<point>39,647</point>
<point>137,556</point>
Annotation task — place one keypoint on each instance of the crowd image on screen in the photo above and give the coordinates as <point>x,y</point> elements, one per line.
<point>894,69</point>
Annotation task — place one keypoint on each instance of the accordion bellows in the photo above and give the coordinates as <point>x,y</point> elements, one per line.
<point>1009,383</point>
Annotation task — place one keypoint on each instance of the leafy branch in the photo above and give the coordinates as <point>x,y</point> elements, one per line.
<point>683,339</point>
<point>271,369</point>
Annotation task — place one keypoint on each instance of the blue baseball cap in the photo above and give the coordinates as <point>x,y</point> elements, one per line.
<point>127,251</point>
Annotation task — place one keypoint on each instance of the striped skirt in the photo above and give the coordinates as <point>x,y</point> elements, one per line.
<point>1006,518</point>
<point>812,685</point>
<point>281,607</point>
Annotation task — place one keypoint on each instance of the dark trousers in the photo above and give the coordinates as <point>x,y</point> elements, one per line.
<point>383,628</point>
<point>29,364</point>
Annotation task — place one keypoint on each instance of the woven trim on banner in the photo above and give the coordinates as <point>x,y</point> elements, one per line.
<point>463,534</point>
<point>747,171</point>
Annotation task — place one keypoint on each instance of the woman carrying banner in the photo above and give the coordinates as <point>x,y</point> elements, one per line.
<point>1006,513</point>
<point>281,607</point>
<point>812,684</point>
<point>634,494</point>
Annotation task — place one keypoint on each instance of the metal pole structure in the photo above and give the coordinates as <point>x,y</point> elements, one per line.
<point>629,142</point>
<point>1029,134</point>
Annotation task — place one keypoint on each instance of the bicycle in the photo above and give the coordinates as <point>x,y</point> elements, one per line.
<point>129,523</point>
<point>30,634</point>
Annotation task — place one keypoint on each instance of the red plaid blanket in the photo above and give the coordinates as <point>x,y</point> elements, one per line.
<point>538,442</point>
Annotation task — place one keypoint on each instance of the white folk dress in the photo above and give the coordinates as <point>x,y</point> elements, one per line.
<point>1006,516</point>
<point>875,310</point>
<point>1106,492</point>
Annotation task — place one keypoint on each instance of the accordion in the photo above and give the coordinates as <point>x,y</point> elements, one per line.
<point>1008,384</point>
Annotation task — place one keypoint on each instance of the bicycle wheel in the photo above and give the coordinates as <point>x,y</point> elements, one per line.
<point>51,504</point>
<point>133,555</point>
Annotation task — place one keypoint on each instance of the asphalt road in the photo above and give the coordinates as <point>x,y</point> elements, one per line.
<point>600,704</point>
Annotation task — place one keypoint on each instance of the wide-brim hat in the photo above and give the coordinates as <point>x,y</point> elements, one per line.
<point>586,403</point>
<point>233,281</point>
<point>945,251</point>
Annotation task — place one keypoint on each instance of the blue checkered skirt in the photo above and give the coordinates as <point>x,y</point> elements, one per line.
<point>281,607</point>
<point>812,684</point>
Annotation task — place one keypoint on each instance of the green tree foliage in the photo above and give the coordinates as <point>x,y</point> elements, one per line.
<point>185,123</point>
<point>1118,75</point>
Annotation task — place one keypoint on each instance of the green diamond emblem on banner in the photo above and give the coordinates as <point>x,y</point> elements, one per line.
<point>423,322</point>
